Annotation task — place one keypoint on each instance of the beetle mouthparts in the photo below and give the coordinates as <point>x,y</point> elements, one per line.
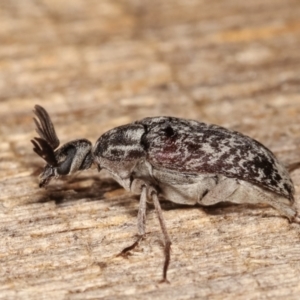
<point>46,176</point>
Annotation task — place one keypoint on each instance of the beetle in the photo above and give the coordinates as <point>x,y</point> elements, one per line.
<point>184,161</point>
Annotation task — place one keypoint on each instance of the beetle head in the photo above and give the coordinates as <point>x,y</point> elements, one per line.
<point>71,157</point>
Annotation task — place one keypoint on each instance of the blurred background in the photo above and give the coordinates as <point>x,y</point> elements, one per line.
<point>230,62</point>
<point>97,64</point>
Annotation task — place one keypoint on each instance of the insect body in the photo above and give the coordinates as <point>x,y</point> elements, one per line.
<point>182,160</point>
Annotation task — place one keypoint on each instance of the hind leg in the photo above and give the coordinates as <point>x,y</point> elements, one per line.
<point>223,191</point>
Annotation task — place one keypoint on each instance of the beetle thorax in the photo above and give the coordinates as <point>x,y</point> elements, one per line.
<point>120,149</point>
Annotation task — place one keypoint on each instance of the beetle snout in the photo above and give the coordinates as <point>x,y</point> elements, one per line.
<point>46,175</point>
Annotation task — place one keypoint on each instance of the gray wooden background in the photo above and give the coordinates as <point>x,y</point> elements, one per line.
<point>97,64</point>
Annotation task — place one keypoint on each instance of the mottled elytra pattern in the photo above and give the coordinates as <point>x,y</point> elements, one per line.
<point>191,147</point>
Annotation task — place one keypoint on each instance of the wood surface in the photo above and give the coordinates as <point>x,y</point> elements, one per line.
<point>97,64</point>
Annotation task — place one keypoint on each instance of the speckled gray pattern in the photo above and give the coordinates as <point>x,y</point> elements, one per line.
<point>189,146</point>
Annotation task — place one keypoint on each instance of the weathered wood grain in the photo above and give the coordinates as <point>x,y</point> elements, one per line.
<point>98,64</point>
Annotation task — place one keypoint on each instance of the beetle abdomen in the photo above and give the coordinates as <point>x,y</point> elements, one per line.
<point>191,147</point>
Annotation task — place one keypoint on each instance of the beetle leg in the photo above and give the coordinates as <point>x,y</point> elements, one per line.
<point>141,224</point>
<point>167,249</point>
<point>150,192</point>
<point>224,189</point>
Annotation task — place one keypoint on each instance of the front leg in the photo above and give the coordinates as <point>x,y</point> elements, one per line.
<point>141,221</point>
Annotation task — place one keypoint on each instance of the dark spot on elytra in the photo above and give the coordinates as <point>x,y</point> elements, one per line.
<point>278,177</point>
<point>263,164</point>
<point>273,182</point>
<point>192,147</point>
<point>169,131</point>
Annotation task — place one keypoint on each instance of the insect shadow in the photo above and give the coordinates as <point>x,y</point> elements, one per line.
<point>73,189</point>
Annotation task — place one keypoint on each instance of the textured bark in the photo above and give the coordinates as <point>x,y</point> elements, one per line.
<point>95,65</point>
